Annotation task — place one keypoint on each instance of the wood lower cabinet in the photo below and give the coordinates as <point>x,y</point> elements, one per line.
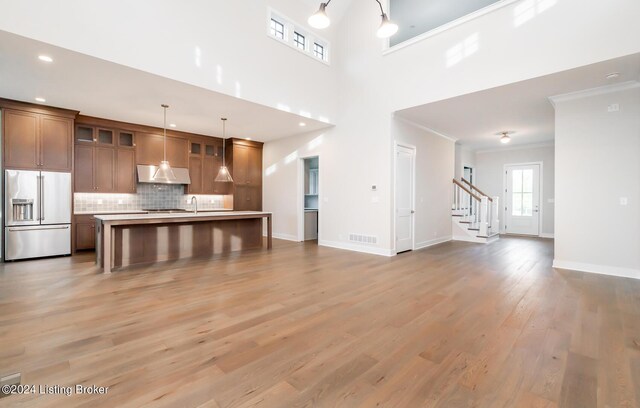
<point>244,159</point>
<point>85,232</point>
<point>37,141</point>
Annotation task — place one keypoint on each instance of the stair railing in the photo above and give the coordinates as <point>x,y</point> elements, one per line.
<point>476,207</point>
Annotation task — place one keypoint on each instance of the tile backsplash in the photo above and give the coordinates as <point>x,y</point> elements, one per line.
<point>149,196</point>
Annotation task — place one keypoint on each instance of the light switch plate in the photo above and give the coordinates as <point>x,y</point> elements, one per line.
<point>614,107</point>
<point>624,201</point>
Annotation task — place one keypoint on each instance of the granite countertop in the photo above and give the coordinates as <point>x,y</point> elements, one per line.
<point>141,211</point>
<point>160,216</point>
<point>109,212</point>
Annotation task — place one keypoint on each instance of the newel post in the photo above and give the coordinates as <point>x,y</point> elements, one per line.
<point>495,222</point>
<point>484,217</point>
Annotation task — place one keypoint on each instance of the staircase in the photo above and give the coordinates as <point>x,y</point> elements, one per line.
<point>474,215</point>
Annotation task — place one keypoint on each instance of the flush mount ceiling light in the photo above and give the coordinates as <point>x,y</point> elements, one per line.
<point>164,172</point>
<point>320,20</point>
<point>223,174</point>
<point>172,125</point>
<point>302,124</point>
<point>45,58</point>
<point>613,75</point>
<point>505,136</point>
<point>39,99</point>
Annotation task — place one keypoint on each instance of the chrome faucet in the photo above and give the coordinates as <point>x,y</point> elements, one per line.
<point>194,204</point>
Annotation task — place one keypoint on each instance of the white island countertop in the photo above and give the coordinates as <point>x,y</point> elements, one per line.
<point>179,215</point>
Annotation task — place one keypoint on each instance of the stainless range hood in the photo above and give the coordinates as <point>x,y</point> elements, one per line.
<point>145,175</point>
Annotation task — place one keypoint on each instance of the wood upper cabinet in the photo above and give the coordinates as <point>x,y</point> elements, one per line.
<point>196,175</point>
<point>56,143</point>
<point>21,146</point>
<point>104,160</point>
<point>37,141</point>
<point>245,161</point>
<point>104,170</point>
<point>126,171</point>
<point>83,169</point>
<point>205,159</point>
<point>150,150</point>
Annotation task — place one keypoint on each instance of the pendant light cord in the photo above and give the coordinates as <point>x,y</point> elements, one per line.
<point>165,133</point>
<point>224,141</point>
<point>381,9</point>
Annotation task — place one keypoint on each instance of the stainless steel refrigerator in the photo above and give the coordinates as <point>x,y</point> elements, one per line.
<point>37,214</point>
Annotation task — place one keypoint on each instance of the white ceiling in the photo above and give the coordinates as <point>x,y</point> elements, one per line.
<point>103,89</point>
<point>523,107</point>
<point>415,17</point>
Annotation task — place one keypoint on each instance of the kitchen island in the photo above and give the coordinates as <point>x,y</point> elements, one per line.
<point>133,239</point>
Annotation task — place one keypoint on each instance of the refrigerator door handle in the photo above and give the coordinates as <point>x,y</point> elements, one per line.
<point>15,229</point>
<point>39,194</point>
<point>42,197</point>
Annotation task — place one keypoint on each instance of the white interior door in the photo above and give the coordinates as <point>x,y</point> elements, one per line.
<point>405,158</point>
<point>522,199</point>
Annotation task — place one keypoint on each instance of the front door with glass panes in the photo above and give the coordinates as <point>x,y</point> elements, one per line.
<point>522,199</point>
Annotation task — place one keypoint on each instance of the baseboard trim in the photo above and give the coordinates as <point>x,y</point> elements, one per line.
<point>549,235</point>
<point>599,269</point>
<point>432,242</point>
<point>286,237</point>
<point>356,248</point>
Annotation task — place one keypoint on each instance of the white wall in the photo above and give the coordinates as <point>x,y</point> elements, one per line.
<point>281,194</point>
<point>560,35</point>
<point>464,158</point>
<point>433,186</point>
<point>219,45</point>
<point>490,177</point>
<point>596,164</point>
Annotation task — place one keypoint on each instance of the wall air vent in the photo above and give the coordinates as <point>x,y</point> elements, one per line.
<point>363,239</point>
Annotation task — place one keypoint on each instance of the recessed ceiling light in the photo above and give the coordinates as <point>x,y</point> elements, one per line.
<point>613,75</point>
<point>247,138</point>
<point>302,124</point>
<point>172,125</point>
<point>45,58</point>
<point>39,99</point>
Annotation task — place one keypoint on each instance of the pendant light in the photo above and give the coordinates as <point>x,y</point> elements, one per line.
<point>164,172</point>
<point>387,28</point>
<point>223,174</point>
<point>320,20</point>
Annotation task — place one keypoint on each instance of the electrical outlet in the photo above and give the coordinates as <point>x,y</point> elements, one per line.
<point>614,107</point>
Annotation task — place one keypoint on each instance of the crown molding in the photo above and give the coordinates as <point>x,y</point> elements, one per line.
<point>518,147</point>
<point>426,129</point>
<point>586,93</point>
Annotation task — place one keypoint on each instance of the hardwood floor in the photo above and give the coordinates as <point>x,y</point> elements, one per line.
<point>456,325</point>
